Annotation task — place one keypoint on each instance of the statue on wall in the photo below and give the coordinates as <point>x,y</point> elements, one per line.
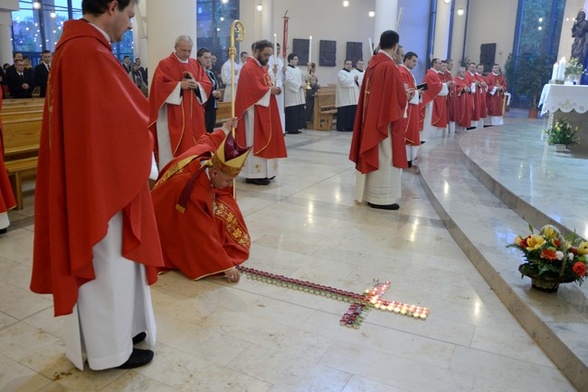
<point>579,32</point>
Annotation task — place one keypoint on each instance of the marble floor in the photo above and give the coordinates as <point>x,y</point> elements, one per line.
<point>252,336</point>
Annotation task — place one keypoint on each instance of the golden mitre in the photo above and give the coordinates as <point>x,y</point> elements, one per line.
<point>229,157</point>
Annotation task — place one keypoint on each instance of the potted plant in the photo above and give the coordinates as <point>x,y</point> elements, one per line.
<point>532,74</point>
<point>574,70</point>
<point>562,135</point>
<point>551,259</point>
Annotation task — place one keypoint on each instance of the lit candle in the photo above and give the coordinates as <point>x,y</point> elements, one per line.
<point>554,73</point>
<point>309,49</point>
<point>371,46</point>
<point>561,69</point>
<point>276,48</point>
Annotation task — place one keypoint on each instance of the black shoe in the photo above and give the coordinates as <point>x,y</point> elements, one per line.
<point>139,338</point>
<point>385,206</point>
<point>409,164</point>
<point>293,132</point>
<point>3,231</point>
<point>257,181</point>
<point>138,358</point>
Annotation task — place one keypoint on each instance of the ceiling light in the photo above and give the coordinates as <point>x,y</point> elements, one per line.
<point>371,14</point>
<point>460,11</point>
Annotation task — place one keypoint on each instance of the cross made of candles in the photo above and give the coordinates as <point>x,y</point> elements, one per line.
<point>370,299</point>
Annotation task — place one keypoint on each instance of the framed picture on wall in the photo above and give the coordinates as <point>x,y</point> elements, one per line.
<point>300,47</point>
<point>327,53</point>
<point>354,52</point>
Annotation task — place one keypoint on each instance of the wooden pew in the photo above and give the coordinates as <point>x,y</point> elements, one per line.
<point>22,102</point>
<point>324,110</point>
<point>21,147</point>
<point>21,114</point>
<point>223,113</point>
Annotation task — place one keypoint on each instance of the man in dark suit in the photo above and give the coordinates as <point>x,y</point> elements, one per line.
<point>142,70</point>
<point>127,64</point>
<point>204,57</point>
<point>42,72</point>
<point>20,80</point>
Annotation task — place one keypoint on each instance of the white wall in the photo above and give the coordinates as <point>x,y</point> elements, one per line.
<point>488,22</point>
<point>325,19</point>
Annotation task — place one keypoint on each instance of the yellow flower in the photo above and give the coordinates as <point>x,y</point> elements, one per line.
<point>549,232</point>
<point>583,248</point>
<point>535,242</point>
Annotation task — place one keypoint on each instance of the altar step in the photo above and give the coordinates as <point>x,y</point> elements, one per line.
<point>482,216</point>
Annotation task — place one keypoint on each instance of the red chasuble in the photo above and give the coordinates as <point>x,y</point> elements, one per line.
<point>268,137</point>
<point>94,161</point>
<point>464,103</point>
<point>451,101</point>
<point>185,121</point>
<point>382,101</point>
<point>469,79</point>
<point>210,236</point>
<point>7,201</point>
<point>483,91</point>
<point>412,132</point>
<point>495,103</point>
<point>434,87</point>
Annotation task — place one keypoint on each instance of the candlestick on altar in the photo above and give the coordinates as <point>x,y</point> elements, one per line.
<point>371,47</point>
<point>275,48</point>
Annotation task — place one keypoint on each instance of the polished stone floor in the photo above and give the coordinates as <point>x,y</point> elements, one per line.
<point>251,336</point>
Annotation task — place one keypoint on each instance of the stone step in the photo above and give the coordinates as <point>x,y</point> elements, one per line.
<point>468,179</point>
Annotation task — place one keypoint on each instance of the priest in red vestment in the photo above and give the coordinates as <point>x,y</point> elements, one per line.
<point>495,97</point>
<point>201,227</point>
<point>179,90</point>
<point>464,101</point>
<point>475,88</point>
<point>446,77</point>
<point>433,108</point>
<point>96,245</point>
<point>7,201</point>
<point>378,142</point>
<point>412,133</point>
<point>483,91</point>
<point>259,120</point>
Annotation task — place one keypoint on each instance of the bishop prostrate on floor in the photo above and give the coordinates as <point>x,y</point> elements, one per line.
<point>201,227</point>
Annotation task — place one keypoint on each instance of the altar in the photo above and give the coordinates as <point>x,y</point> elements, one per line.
<point>569,102</point>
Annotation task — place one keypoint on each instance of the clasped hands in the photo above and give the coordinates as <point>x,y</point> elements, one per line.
<point>188,82</point>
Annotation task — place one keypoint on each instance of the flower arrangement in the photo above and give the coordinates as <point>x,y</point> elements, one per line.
<point>573,67</point>
<point>562,133</point>
<point>549,255</point>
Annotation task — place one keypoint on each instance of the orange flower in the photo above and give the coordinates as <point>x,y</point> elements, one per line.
<point>549,254</point>
<point>579,268</point>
